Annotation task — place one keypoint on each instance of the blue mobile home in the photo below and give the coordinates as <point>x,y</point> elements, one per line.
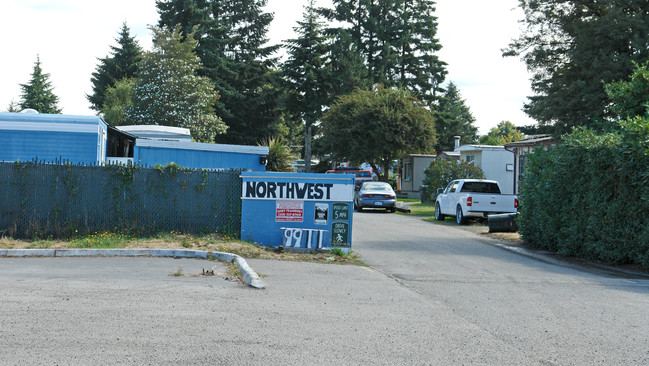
<point>197,155</point>
<point>51,137</point>
<point>88,140</point>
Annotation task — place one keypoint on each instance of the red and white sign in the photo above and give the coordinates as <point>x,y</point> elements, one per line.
<point>289,211</point>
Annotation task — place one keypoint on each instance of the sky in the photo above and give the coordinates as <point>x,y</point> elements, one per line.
<point>70,35</point>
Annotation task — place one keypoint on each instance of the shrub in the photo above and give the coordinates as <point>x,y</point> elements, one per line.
<point>587,196</point>
<point>280,157</point>
<point>441,172</point>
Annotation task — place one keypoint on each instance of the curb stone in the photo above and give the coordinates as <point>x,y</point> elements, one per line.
<point>250,277</point>
<point>30,252</point>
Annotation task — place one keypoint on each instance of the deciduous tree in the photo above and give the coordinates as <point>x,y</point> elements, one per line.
<point>117,99</point>
<point>168,91</point>
<point>503,133</point>
<point>377,126</point>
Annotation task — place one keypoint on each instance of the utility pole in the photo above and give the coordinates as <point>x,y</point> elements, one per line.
<point>307,150</point>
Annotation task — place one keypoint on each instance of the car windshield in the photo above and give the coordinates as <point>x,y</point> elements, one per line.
<point>376,187</point>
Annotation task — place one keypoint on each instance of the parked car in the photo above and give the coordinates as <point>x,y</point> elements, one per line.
<point>464,198</point>
<point>375,195</point>
<point>360,174</point>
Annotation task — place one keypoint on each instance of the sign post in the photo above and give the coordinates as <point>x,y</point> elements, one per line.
<point>301,211</point>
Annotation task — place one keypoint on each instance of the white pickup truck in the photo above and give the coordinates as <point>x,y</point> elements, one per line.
<point>464,198</point>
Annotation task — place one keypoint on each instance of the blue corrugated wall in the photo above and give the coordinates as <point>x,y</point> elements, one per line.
<point>48,146</point>
<point>49,138</point>
<point>150,156</point>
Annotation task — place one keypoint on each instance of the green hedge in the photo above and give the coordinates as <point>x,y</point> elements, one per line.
<point>589,196</point>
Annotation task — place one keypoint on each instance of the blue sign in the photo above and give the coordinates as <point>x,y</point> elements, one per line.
<point>297,210</point>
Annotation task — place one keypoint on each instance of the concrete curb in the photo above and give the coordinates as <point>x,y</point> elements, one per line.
<point>402,207</point>
<point>250,277</point>
<point>556,259</point>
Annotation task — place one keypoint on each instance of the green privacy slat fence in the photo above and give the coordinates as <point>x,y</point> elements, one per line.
<point>40,200</point>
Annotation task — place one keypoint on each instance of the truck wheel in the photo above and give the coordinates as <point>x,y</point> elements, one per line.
<point>438,213</point>
<point>459,216</point>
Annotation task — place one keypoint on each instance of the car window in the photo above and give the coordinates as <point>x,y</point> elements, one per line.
<point>481,187</point>
<point>454,186</point>
<point>363,174</point>
<point>448,187</point>
<point>376,187</point>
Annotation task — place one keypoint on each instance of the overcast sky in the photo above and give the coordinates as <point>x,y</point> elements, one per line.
<point>69,36</point>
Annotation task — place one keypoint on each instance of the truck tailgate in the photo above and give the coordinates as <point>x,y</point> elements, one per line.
<point>483,202</point>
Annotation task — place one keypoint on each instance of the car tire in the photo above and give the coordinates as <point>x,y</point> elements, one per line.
<point>459,216</point>
<point>439,216</point>
<point>391,209</point>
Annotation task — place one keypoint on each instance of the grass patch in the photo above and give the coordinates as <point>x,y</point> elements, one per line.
<point>103,240</point>
<point>422,209</point>
<point>215,242</point>
<point>408,200</point>
<point>450,221</point>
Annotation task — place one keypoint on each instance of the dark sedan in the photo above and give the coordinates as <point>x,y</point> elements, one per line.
<point>375,195</point>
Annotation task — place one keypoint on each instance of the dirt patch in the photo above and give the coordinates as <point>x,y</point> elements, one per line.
<point>483,230</point>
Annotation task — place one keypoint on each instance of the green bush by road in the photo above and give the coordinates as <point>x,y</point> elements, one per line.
<point>589,196</point>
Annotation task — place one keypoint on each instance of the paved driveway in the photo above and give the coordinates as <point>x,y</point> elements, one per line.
<point>435,295</point>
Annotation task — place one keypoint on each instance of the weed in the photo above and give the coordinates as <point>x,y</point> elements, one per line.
<point>185,243</point>
<point>178,273</point>
<point>337,251</point>
<point>234,272</point>
<point>102,240</point>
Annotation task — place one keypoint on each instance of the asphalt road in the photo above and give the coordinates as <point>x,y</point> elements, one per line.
<point>435,295</point>
<point>543,312</point>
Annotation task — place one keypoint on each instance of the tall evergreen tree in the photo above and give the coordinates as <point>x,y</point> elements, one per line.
<point>232,38</point>
<point>13,107</point>
<point>453,118</point>
<point>397,40</point>
<point>307,75</point>
<point>169,92</point>
<point>346,65</point>
<point>38,92</point>
<point>575,47</point>
<point>417,66</point>
<point>122,63</point>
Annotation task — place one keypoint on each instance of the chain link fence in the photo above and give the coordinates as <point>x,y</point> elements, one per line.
<point>40,200</point>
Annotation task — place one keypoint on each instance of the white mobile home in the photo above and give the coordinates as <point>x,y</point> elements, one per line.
<point>496,162</point>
